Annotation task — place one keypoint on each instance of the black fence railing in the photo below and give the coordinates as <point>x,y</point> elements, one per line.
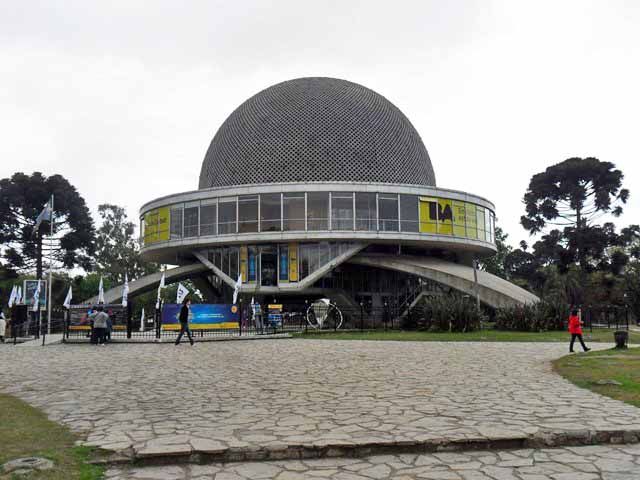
<point>293,318</point>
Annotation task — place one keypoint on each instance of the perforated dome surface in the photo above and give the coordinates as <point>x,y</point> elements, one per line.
<point>316,130</point>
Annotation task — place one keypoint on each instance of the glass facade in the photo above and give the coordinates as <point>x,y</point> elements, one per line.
<point>293,211</point>
<point>318,211</point>
<point>274,264</point>
<point>248,214</point>
<point>366,212</point>
<point>227,214</point>
<point>191,219</point>
<point>322,211</point>
<point>388,211</point>
<point>270,212</point>
<point>342,211</point>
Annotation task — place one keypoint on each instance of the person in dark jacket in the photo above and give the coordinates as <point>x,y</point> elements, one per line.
<point>184,321</point>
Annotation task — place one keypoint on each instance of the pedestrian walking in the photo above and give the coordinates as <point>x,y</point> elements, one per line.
<point>575,329</point>
<point>184,321</point>
<point>3,326</point>
<point>100,322</point>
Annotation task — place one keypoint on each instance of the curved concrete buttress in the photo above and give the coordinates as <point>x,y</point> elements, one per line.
<point>494,291</point>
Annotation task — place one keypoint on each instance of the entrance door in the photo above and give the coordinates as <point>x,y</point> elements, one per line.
<point>269,267</point>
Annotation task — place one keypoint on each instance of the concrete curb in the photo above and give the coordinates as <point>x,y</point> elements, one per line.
<point>323,449</point>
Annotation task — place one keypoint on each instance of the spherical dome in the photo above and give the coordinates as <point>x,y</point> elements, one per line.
<point>316,130</point>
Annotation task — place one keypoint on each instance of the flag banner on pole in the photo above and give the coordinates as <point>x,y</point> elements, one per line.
<point>36,298</point>
<point>18,298</point>
<point>182,293</point>
<point>142,320</point>
<point>160,287</point>
<point>100,291</point>
<point>125,291</point>
<point>237,289</point>
<point>12,297</point>
<point>45,214</point>
<point>67,299</point>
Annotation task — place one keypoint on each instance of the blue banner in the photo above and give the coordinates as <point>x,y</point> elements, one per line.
<point>201,316</point>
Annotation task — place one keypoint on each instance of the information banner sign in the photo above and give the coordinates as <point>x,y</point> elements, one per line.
<point>79,316</point>
<point>29,288</point>
<point>203,316</point>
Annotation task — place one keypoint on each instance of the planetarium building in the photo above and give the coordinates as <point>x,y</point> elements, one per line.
<point>319,187</point>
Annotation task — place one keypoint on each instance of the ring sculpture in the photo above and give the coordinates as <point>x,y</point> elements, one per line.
<point>320,311</point>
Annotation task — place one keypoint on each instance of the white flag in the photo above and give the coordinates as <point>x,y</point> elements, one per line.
<point>18,298</point>
<point>160,287</point>
<point>100,291</point>
<point>237,288</point>
<point>142,320</point>
<point>12,297</point>
<point>125,291</point>
<point>67,299</point>
<point>36,298</point>
<point>45,214</point>
<point>182,293</point>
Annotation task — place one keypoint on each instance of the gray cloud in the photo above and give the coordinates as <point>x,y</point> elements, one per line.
<point>123,98</point>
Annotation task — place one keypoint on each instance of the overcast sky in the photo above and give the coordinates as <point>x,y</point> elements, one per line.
<point>123,97</point>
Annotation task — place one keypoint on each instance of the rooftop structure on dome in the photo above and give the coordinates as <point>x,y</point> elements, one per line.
<point>321,187</point>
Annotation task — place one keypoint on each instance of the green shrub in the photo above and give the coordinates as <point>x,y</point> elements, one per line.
<point>537,317</point>
<point>446,314</point>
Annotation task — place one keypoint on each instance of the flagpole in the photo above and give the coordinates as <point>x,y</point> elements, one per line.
<point>50,268</point>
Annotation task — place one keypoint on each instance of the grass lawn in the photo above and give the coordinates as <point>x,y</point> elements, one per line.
<point>600,335</point>
<point>622,366</point>
<point>25,431</point>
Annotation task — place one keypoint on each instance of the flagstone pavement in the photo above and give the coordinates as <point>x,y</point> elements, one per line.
<point>160,399</point>
<point>572,463</point>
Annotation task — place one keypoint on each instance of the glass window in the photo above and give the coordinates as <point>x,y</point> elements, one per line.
<point>293,207</point>
<point>268,266</point>
<point>493,228</point>
<point>252,260</point>
<point>283,275</point>
<point>225,260</point>
<point>487,224</point>
<point>304,260</point>
<point>248,214</point>
<point>233,262</point>
<point>176,222</point>
<point>270,212</point>
<point>342,211</point>
<point>459,218</point>
<point>191,219</point>
<point>324,253</point>
<point>428,214</point>
<point>388,211</point>
<point>217,258</point>
<point>227,216</point>
<point>409,213</point>
<point>480,223</point>
<point>318,211</point>
<point>366,211</point>
<point>208,218</point>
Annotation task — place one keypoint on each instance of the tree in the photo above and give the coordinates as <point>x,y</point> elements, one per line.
<point>496,264</point>
<point>117,247</point>
<point>22,198</point>
<point>572,195</point>
<point>632,288</point>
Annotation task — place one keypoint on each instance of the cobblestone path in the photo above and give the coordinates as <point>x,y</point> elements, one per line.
<point>217,397</point>
<point>577,463</point>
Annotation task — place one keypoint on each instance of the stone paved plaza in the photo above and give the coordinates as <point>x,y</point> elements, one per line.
<point>572,463</point>
<point>273,394</point>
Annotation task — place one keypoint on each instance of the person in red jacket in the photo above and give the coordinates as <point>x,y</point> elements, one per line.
<point>575,329</point>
